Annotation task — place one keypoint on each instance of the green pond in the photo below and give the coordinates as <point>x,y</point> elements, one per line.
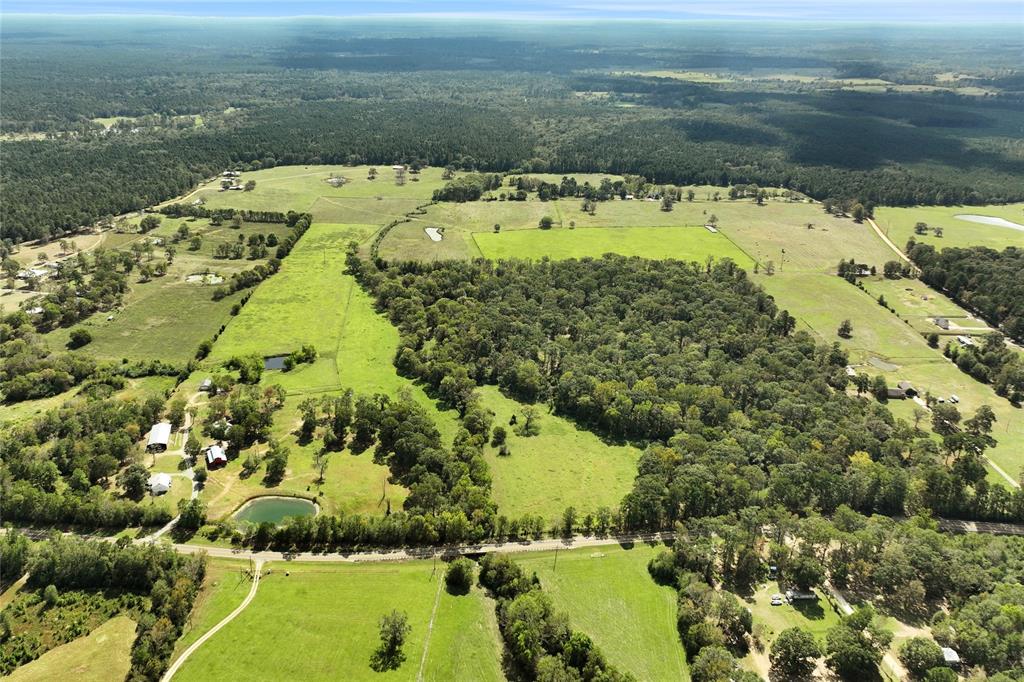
<point>274,509</point>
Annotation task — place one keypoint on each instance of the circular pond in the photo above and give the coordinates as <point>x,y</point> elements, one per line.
<point>274,509</point>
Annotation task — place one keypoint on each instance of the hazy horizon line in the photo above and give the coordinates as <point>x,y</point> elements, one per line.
<point>520,16</point>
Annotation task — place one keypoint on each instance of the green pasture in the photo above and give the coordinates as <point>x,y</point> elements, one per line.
<point>918,303</point>
<point>610,596</point>
<point>563,466</point>
<point>681,243</point>
<point>899,223</point>
<point>303,303</point>
<point>224,588</point>
<point>298,188</point>
<point>104,655</point>
<point>320,622</point>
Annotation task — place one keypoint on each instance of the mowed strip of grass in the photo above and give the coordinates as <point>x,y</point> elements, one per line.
<point>303,303</point>
<point>104,655</point>
<point>899,224</point>
<point>320,622</point>
<point>610,596</point>
<point>224,588</point>
<point>563,466</point>
<point>680,243</point>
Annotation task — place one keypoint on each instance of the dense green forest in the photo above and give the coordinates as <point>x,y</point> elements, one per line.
<point>492,99</point>
<point>698,363</point>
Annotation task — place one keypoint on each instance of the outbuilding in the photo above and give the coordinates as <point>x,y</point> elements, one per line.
<point>895,393</point>
<point>908,389</point>
<point>159,484</point>
<point>941,323</point>
<point>207,385</point>
<point>965,340</point>
<point>159,436</point>
<point>950,657</point>
<point>215,457</point>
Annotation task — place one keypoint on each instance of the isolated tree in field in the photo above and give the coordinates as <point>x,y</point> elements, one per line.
<point>920,228</point>
<point>933,340</point>
<point>857,212</point>
<point>712,220</point>
<point>394,628</point>
<point>845,330</point>
<point>250,185</point>
<point>498,436</point>
<point>150,222</point>
<point>769,268</point>
<point>546,222</point>
<point>195,243</point>
<point>690,194</point>
<point>530,425</point>
<point>793,653</point>
<point>937,231</point>
<point>458,577</point>
<point>919,415</point>
<point>497,228</point>
<point>371,174</point>
<point>79,337</point>
<point>666,203</point>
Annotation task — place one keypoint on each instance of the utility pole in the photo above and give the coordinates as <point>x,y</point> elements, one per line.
<point>555,567</point>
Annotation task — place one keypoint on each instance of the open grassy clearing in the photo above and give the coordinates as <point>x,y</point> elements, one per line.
<point>298,188</point>
<point>224,588</point>
<point>563,466</point>
<point>141,387</point>
<point>610,596</point>
<point>319,622</point>
<point>899,223</point>
<point>918,303</point>
<point>303,303</point>
<point>104,655</point>
<point>684,243</point>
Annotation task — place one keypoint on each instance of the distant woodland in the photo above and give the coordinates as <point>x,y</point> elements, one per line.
<point>586,102</point>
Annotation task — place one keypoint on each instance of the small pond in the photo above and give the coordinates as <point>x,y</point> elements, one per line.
<point>274,509</point>
<point>274,362</point>
<point>989,220</point>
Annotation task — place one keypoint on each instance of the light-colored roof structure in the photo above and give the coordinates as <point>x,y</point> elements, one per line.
<point>160,483</point>
<point>950,655</point>
<point>160,434</point>
<point>215,453</point>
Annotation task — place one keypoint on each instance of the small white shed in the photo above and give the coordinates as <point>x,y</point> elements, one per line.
<point>160,484</point>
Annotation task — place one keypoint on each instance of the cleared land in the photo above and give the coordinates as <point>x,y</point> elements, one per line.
<point>610,596</point>
<point>319,622</point>
<point>104,655</point>
<point>224,588</point>
<point>684,243</point>
<point>899,224</point>
<point>563,466</point>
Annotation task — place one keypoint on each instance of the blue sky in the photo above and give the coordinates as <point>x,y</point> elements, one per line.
<point>916,11</point>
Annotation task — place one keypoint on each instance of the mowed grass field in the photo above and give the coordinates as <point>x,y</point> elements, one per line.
<point>610,596</point>
<point>899,223</point>
<point>681,243</point>
<point>301,188</point>
<point>104,655</point>
<point>563,466</point>
<point>224,588</point>
<point>320,622</point>
<point>303,303</point>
